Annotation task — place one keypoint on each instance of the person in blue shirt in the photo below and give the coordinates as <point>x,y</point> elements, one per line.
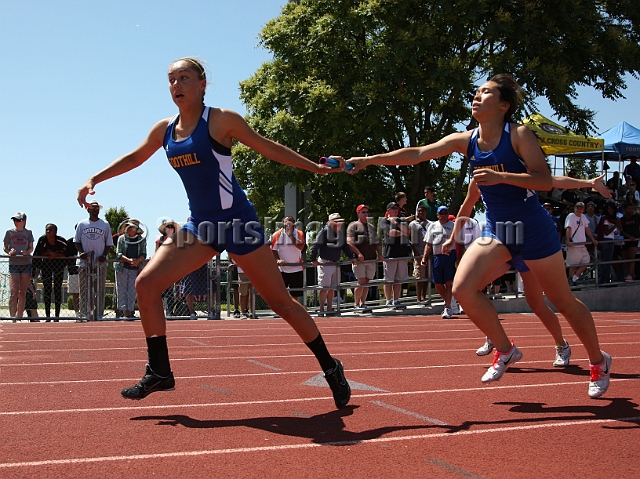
<point>198,143</point>
<point>508,167</point>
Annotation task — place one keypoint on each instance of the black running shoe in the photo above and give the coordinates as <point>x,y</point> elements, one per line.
<point>338,384</point>
<point>149,383</point>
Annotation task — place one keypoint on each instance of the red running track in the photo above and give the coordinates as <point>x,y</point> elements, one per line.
<point>249,402</point>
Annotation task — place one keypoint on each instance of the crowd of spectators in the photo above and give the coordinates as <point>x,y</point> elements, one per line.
<point>589,226</point>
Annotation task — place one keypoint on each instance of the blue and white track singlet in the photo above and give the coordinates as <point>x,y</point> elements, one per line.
<point>221,215</point>
<point>206,171</point>
<point>514,214</point>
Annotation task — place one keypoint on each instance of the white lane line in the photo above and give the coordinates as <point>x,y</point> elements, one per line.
<point>199,343</point>
<point>137,407</point>
<point>285,447</point>
<point>410,413</point>
<point>270,356</point>
<point>427,332</point>
<point>258,363</point>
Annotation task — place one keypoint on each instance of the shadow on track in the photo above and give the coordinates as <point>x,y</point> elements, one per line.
<point>618,409</point>
<point>327,429</point>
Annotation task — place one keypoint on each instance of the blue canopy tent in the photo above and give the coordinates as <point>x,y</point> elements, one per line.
<point>620,142</point>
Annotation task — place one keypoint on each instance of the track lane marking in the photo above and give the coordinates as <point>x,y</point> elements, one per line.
<point>283,447</point>
<point>279,372</point>
<point>137,407</point>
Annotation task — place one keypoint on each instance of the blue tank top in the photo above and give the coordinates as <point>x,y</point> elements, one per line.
<point>205,168</point>
<point>503,202</point>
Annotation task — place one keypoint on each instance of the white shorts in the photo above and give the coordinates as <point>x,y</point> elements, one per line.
<point>328,275</point>
<point>361,270</point>
<point>577,255</point>
<point>73,284</point>
<point>396,270</point>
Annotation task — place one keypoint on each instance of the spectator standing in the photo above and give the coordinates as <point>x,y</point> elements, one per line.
<point>131,252</point>
<point>53,248</point>
<point>556,220</point>
<point>444,265</point>
<point>606,233</point>
<point>430,204</point>
<point>591,217</point>
<point>418,231</point>
<point>577,232</point>
<point>93,235</point>
<point>364,242</point>
<point>630,223</point>
<point>401,200</point>
<point>18,244</point>
<point>632,169</point>
<point>325,254</point>
<point>287,245</point>
<point>614,183</point>
<point>395,250</point>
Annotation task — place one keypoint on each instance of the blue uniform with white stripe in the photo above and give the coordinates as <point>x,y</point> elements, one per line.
<point>514,214</point>
<point>221,214</point>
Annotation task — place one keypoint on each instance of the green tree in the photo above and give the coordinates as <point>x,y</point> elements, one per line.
<point>364,77</point>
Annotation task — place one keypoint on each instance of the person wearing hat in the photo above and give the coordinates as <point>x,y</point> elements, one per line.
<point>131,251</point>
<point>444,265</point>
<point>577,230</point>
<point>92,240</point>
<point>325,255</point>
<point>18,244</point>
<point>167,229</point>
<point>363,240</point>
<point>396,251</point>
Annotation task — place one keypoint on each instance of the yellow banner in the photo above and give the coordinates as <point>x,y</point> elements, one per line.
<point>557,140</point>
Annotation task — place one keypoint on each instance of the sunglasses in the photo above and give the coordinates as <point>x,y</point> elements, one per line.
<point>364,212</point>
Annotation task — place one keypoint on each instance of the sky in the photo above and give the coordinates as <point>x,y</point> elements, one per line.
<point>84,82</point>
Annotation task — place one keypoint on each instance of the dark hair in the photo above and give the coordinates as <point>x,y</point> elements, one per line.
<point>429,188</point>
<point>52,226</point>
<point>400,195</point>
<point>510,92</point>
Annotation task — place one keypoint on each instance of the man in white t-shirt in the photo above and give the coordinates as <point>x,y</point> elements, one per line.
<point>577,228</point>
<point>287,245</point>
<point>444,265</point>
<point>93,235</point>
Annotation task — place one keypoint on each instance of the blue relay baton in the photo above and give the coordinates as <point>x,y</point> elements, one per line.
<point>333,163</point>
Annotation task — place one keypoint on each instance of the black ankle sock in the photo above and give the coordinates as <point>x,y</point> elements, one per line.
<point>158,355</point>
<point>319,349</point>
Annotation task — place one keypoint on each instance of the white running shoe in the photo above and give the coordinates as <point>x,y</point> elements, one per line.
<point>485,349</point>
<point>455,307</point>
<point>600,375</point>
<point>446,313</point>
<point>563,355</point>
<point>501,361</point>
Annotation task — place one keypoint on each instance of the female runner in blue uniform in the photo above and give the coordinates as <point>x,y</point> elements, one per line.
<point>533,291</point>
<point>509,167</point>
<point>198,144</point>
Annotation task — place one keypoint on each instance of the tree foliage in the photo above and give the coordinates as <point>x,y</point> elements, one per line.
<point>370,76</point>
